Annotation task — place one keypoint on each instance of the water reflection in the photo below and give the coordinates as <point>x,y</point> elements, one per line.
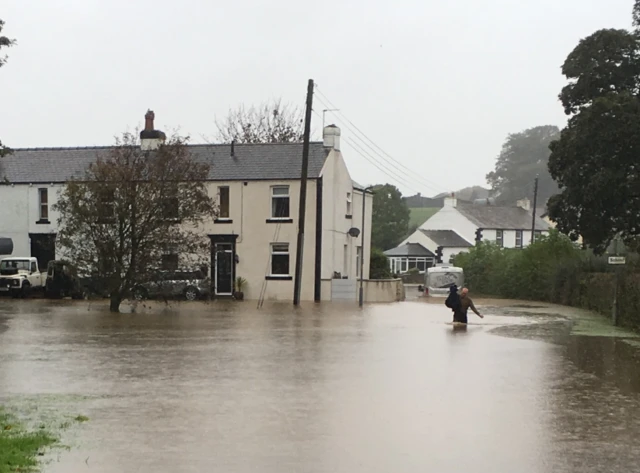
<point>224,387</point>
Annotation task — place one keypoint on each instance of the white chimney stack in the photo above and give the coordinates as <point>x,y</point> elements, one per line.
<point>524,204</point>
<point>331,137</point>
<point>451,201</point>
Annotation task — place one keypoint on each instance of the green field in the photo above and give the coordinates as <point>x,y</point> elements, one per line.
<point>421,215</point>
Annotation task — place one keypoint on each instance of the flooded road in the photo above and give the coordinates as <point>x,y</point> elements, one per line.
<point>223,387</point>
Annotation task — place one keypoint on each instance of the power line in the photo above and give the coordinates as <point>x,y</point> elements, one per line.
<point>381,167</point>
<point>395,161</point>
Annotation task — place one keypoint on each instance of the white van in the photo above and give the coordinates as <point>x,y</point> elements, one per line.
<point>440,278</point>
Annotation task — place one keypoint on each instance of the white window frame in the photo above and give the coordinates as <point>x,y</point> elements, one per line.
<point>500,239</point>
<point>520,237</point>
<point>349,202</point>
<point>275,196</point>
<point>41,205</point>
<point>274,251</point>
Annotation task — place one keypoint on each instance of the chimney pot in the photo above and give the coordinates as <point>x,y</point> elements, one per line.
<point>233,146</point>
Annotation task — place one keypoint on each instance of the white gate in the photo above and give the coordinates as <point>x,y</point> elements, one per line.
<point>343,289</point>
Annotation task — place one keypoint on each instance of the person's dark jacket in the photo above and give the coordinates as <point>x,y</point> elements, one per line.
<point>453,299</point>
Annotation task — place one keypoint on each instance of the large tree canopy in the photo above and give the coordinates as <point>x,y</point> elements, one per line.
<point>524,156</point>
<point>4,43</point>
<point>271,122</point>
<point>390,220</point>
<point>606,62</point>
<point>131,210</point>
<point>596,162</point>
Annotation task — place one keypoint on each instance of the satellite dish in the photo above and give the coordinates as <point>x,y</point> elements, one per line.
<point>354,232</point>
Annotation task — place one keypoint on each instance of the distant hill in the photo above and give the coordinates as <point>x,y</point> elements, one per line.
<point>468,193</point>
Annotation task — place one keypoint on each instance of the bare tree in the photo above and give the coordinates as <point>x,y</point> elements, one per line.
<point>271,122</point>
<point>4,43</point>
<point>134,210</point>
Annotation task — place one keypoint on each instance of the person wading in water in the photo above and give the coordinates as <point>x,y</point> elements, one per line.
<point>453,300</point>
<point>460,316</point>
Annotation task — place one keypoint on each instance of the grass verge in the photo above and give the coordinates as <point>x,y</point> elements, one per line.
<point>20,448</point>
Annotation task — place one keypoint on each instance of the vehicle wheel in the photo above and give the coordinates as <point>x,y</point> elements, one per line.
<point>26,290</point>
<point>191,293</point>
<point>140,293</point>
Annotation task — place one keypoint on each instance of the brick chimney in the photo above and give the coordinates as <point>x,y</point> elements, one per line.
<point>149,117</point>
<point>150,138</point>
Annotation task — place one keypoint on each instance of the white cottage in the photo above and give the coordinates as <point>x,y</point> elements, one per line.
<point>456,227</point>
<point>257,187</point>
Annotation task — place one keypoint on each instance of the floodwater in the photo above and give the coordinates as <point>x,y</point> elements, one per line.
<point>224,387</point>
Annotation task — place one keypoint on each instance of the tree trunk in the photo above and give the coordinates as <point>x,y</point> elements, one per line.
<point>114,303</point>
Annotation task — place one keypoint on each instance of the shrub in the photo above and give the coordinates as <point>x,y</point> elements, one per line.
<point>379,265</point>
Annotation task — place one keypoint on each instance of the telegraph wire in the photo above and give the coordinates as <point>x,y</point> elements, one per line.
<point>323,98</point>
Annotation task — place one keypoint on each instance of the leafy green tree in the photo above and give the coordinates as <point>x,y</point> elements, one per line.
<point>606,62</point>
<point>596,160</point>
<point>596,163</point>
<point>390,220</point>
<point>4,43</point>
<point>524,156</point>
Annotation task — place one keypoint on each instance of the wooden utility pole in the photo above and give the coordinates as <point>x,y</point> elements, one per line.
<point>303,195</point>
<point>535,204</point>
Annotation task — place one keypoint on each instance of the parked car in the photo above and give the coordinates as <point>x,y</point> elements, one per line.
<point>188,284</point>
<point>63,281</point>
<point>20,275</point>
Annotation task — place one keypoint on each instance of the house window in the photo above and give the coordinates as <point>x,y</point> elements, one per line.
<point>500,238</point>
<point>345,261</point>
<point>518,238</point>
<point>171,208</point>
<point>280,259</point>
<point>280,202</point>
<point>223,193</point>
<point>538,234</point>
<point>43,201</point>
<point>359,257</point>
<point>348,203</point>
<point>106,205</point>
<point>170,262</point>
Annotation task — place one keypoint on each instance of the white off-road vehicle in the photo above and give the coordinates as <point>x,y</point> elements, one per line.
<point>21,275</point>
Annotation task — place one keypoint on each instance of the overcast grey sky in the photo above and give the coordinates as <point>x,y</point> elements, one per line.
<point>435,84</point>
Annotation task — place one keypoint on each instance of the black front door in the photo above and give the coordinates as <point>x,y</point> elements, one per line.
<point>223,263</point>
<point>223,269</point>
<point>43,248</point>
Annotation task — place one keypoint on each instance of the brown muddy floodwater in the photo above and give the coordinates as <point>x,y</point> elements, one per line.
<point>224,387</point>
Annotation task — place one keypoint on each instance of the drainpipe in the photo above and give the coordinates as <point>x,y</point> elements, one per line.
<point>361,291</point>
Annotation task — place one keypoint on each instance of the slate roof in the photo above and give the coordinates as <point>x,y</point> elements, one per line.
<point>409,249</point>
<point>446,238</point>
<point>500,218</point>
<point>251,162</point>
